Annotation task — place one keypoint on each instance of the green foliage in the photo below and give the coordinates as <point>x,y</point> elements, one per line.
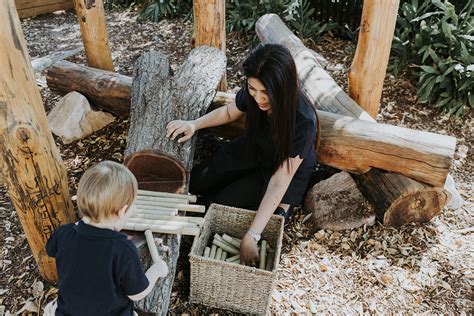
<point>155,10</point>
<point>440,42</point>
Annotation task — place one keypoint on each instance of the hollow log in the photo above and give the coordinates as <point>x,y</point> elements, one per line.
<point>326,95</point>
<point>91,17</point>
<point>345,143</point>
<point>369,66</point>
<point>31,168</point>
<point>157,98</point>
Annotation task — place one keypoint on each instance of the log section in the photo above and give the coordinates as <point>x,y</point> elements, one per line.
<point>31,168</point>
<point>158,98</point>
<point>91,17</point>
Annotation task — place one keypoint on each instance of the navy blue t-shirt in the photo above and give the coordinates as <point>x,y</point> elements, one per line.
<point>97,269</point>
<point>303,145</point>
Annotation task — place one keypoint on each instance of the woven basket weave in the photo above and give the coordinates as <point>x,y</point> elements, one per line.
<point>233,286</point>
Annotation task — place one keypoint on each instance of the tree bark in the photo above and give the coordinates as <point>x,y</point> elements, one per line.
<point>400,200</point>
<point>369,66</point>
<point>157,98</point>
<point>30,165</point>
<point>104,89</point>
<point>91,17</point>
<point>209,27</point>
<point>325,94</point>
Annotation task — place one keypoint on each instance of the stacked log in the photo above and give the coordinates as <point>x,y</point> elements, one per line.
<point>157,98</point>
<point>396,189</point>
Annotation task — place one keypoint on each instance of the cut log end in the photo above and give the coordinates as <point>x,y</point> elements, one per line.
<point>156,171</point>
<point>419,206</point>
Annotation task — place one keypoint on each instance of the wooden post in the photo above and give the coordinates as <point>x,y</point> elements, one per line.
<point>90,14</point>
<point>209,27</point>
<point>369,66</point>
<point>30,165</point>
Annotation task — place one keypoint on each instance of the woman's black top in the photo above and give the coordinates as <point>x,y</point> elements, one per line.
<point>233,157</point>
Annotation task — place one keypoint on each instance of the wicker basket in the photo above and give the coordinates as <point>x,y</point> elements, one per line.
<point>228,285</point>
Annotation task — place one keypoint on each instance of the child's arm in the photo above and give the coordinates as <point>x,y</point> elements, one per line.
<point>157,270</point>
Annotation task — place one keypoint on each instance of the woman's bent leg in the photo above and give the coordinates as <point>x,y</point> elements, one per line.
<point>246,192</point>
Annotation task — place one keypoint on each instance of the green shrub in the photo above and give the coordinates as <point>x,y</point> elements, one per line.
<point>439,41</point>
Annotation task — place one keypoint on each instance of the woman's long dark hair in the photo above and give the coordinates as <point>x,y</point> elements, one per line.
<point>274,66</point>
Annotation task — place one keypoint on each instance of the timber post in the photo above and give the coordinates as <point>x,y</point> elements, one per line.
<point>369,66</point>
<point>209,27</point>
<point>30,165</point>
<point>91,17</point>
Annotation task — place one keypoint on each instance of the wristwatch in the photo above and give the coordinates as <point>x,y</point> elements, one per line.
<point>254,235</point>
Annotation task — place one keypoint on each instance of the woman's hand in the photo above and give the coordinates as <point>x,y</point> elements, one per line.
<point>248,251</point>
<point>174,128</point>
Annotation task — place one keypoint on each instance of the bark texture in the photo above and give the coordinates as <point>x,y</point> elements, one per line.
<point>157,98</point>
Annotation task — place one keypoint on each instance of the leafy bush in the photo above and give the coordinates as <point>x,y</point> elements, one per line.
<point>440,43</point>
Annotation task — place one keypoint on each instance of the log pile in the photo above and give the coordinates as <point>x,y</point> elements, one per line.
<point>158,163</point>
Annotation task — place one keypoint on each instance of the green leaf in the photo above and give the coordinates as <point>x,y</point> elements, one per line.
<point>429,69</point>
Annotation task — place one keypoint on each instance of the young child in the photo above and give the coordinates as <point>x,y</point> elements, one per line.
<point>99,271</point>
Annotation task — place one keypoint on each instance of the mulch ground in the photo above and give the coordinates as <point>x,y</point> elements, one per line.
<point>418,268</point>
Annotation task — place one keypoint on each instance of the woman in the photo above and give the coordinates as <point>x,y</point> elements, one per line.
<point>269,167</point>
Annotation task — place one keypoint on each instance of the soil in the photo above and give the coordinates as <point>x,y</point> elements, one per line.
<point>418,268</point>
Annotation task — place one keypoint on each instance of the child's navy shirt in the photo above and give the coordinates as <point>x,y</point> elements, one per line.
<point>97,269</point>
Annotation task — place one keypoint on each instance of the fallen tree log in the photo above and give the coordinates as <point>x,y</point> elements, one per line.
<point>326,95</point>
<point>41,63</point>
<point>157,98</point>
<point>346,143</point>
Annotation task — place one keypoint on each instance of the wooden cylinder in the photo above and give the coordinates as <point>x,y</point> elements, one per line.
<point>30,165</point>
<point>209,27</point>
<point>369,66</point>
<point>91,17</point>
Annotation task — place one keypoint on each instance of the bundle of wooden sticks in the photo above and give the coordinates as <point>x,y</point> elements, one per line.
<point>225,245</point>
<point>158,212</point>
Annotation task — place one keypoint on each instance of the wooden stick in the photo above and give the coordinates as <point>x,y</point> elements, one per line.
<point>184,207</point>
<point>169,212</point>
<point>233,258</point>
<point>160,222</point>
<point>195,220</point>
<point>224,255</point>
<point>154,207</point>
<point>231,240</point>
<point>225,247</point>
<point>213,252</point>
<point>176,230</point>
<point>269,264</point>
<point>191,198</point>
<point>263,254</point>
<point>218,254</point>
<point>151,199</point>
<point>152,246</point>
<point>207,251</point>
<point>40,64</point>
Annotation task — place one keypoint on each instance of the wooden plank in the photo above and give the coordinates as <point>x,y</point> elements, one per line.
<point>31,12</point>
<point>27,4</point>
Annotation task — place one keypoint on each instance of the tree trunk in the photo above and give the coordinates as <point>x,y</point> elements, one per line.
<point>104,89</point>
<point>158,98</point>
<point>321,89</point>
<point>91,17</point>
<point>369,66</point>
<point>30,165</point>
<point>400,200</point>
<point>209,27</point>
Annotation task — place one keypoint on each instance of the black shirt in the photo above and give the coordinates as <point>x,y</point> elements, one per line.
<point>303,145</point>
<point>97,269</point>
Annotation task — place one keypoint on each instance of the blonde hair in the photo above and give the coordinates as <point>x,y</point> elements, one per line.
<point>105,189</point>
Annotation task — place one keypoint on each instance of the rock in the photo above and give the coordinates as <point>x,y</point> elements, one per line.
<point>72,118</point>
<point>337,204</point>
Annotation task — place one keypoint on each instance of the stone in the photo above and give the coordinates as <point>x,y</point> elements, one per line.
<point>72,118</point>
<point>337,204</point>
